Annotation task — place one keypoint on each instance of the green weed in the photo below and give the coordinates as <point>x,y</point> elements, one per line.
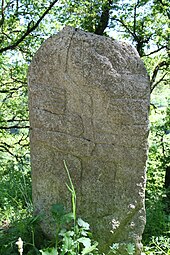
<point>158,245</point>
<point>75,240</point>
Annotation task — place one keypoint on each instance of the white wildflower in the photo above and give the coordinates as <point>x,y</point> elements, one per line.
<point>20,245</point>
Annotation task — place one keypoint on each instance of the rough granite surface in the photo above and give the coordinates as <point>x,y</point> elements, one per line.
<point>88,103</point>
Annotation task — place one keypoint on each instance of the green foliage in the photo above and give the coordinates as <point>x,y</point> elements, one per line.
<point>75,239</point>
<point>15,192</point>
<point>122,248</point>
<point>158,245</point>
<point>73,192</point>
<point>158,222</point>
<point>114,248</point>
<point>157,212</point>
<point>131,249</point>
<point>27,228</point>
<point>49,251</point>
<point>84,14</point>
<point>59,214</point>
<point>18,44</point>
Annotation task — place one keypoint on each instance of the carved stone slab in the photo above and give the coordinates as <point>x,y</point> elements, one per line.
<point>88,101</point>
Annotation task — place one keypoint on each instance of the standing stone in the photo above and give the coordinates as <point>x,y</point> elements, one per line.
<point>88,101</point>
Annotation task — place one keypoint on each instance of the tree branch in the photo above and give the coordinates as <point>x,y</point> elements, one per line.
<point>139,39</point>
<point>166,10</point>
<point>104,19</point>
<point>5,148</point>
<point>155,51</point>
<point>134,17</point>
<point>125,26</point>
<point>2,14</point>
<point>15,126</point>
<point>155,71</point>
<point>29,29</point>
<point>153,86</point>
<point>17,120</point>
<point>12,90</point>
